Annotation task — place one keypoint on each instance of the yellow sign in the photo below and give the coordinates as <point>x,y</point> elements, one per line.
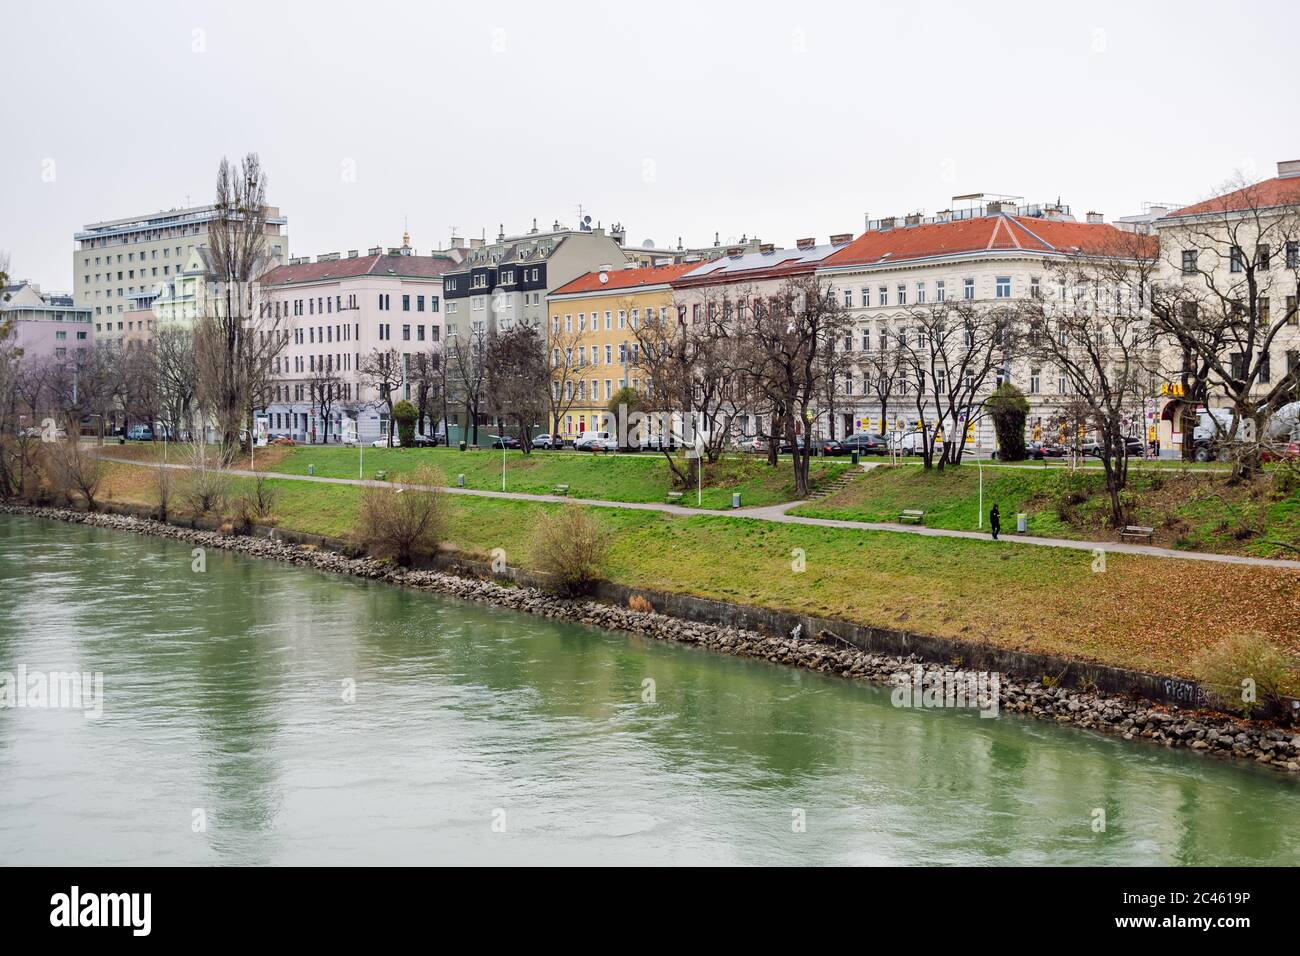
<point>1171,389</point>
<point>1038,433</point>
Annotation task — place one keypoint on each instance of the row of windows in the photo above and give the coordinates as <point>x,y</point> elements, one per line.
<point>568,355</point>
<point>130,257</point>
<point>1263,259</point>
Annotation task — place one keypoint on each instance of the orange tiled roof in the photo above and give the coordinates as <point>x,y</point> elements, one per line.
<point>1262,195</point>
<point>996,232</point>
<point>626,278</point>
<point>420,267</point>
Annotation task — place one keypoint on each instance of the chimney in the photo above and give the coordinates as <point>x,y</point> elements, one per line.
<point>887,223</point>
<point>1288,168</point>
<point>943,215</point>
<point>996,206</point>
<point>476,243</point>
<point>912,219</point>
<point>1096,219</point>
<point>735,251</point>
<point>805,243</point>
<point>352,253</point>
<point>840,238</point>
<point>767,248</point>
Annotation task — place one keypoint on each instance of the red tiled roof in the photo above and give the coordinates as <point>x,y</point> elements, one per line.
<point>416,267</point>
<point>626,278</point>
<point>997,232</point>
<point>1262,195</point>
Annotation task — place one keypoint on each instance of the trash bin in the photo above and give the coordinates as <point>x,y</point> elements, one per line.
<point>462,446</point>
<point>1022,523</point>
<point>735,499</point>
<point>855,456</point>
<point>311,469</point>
<point>460,481</point>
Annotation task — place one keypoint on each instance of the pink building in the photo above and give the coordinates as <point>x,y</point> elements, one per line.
<point>47,325</point>
<point>336,311</point>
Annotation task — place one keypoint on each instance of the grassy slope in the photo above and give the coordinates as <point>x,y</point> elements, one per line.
<point>1191,510</point>
<point>1142,612</point>
<point>639,477</point>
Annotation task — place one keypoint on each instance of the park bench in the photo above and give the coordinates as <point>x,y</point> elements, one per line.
<point>560,490</point>
<point>1136,531</point>
<point>911,516</point>
<point>674,496</point>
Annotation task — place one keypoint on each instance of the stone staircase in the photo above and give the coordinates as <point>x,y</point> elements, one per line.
<point>836,486</point>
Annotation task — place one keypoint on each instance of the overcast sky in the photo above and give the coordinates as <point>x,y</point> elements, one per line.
<point>782,119</point>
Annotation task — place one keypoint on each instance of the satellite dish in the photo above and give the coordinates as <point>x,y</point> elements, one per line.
<point>587,220</point>
<point>604,277</point>
<point>648,244</point>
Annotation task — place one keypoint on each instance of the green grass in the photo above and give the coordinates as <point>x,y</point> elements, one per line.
<point>1157,613</point>
<point>633,478</point>
<point>1189,509</point>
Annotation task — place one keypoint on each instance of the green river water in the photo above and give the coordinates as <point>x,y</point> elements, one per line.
<point>259,713</point>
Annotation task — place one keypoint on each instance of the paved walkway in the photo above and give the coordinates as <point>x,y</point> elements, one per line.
<point>779,515</point>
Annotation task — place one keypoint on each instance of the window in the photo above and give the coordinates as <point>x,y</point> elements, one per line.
<point>1292,316</point>
<point>968,289</point>
<point>883,295</point>
<point>1035,291</point>
<point>1189,261</point>
<point>1293,254</point>
<point>406,333</point>
<point>920,293</point>
<point>866,297</point>
<point>902,294</point>
<point>1003,287</point>
<point>1262,256</point>
<point>848,298</point>
<point>419,303</point>
<point>940,294</point>
<point>1236,259</point>
<point>1035,381</point>
<point>866,339</point>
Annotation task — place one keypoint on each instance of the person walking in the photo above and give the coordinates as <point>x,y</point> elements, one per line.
<point>995,521</point>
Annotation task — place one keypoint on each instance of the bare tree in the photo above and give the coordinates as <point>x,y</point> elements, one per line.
<point>235,345</point>
<point>517,377</point>
<point>561,393</point>
<point>381,372</point>
<point>177,377</point>
<point>323,390</point>
<point>428,380</point>
<point>467,357</point>
<point>1228,260</point>
<point>1103,343</point>
<point>792,338</point>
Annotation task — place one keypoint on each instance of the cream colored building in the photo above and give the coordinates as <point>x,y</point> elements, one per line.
<point>117,262</point>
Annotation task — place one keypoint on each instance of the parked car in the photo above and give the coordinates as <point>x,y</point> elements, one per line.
<point>1279,452</point>
<point>584,441</point>
<point>654,443</point>
<point>1133,446</point>
<point>383,442</point>
<point>282,441</point>
<point>866,443</point>
<point>909,443</point>
<point>1039,450</point>
<point>757,444</point>
<point>603,444</point>
<point>787,447</point>
<point>830,446</point>
<point>546,441</point>
<point>425,441</point>
<point>139,433</point>
<point>505,441</point>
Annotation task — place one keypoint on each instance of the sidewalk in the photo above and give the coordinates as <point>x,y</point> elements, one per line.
<point>777,514</point>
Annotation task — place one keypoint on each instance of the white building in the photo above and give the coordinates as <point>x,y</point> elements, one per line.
<point>116,261</point>
<point>336,311</point>
<point>994,253</point>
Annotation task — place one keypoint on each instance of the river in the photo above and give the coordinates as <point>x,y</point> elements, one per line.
<point>257,713</point>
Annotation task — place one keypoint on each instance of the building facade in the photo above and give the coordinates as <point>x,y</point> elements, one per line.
<point>116,261</point>
<point>592,343</point>
<point>335,311</point>
<point>47,325</point>
<point>992,255</point>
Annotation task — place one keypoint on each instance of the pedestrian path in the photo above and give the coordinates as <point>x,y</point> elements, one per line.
<point>778,514</point>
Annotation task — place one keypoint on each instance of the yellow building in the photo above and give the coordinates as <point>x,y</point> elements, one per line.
<point>592,338</point>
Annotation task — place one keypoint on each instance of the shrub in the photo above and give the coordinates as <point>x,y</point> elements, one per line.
<point>162,485</point>
<point>1009,408</point>
<point>206,489</point>
<point>404,414</point>
<point>571,546</point>
<point>73,469</point>
<point>257,505</point>
<point>405,523</point>
<point>639,604</point>
<point>1244,673</point>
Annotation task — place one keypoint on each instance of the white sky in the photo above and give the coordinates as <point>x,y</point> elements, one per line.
<point>782,119</point>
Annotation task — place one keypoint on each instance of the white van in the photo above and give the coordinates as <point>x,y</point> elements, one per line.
<point>586,440</point>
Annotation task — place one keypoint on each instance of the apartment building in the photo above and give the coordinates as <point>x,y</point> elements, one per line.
<point>47,325</point>
<point>508,281</point>
<point>116,261</point>
<point>592,340</point>
<point>993,253</point>
<point>335,311</point>
<point>1221,249</point>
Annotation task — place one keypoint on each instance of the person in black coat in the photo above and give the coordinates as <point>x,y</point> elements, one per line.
<point>995,522</point>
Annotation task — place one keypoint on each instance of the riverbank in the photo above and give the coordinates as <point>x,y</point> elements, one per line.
<point>1111,713</point>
